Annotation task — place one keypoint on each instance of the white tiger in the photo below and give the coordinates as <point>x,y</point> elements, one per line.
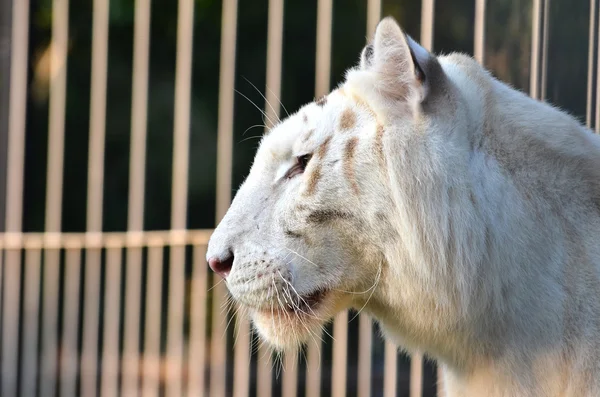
<point>461,214</point>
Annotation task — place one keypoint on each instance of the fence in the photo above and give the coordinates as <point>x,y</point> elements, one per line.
<point>82,312</point>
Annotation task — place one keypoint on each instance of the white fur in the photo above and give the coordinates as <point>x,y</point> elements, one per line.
<point>473,238</point>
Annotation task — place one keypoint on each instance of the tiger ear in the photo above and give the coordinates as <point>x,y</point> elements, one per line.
<point>401,66</point>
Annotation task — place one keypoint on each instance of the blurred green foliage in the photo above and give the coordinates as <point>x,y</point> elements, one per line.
<point>508,38</point>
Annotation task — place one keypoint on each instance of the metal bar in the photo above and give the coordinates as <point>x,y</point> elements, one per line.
<point>591,56</point>
<point>322,87</point>
<point>274,53</point>
<point>49,336</point>
<point>131,322</point>
<point>373,17</point>
<point>54,183</point>
<point>272,109</point>
<point>179,199</point>
<point>416,375</point>
<point>313,368</point>
<point>14,193</point>
<point>151,361</point>
<point>139,115</point>
<point>95,197</point>
<point>33,264</point>
<point>264,381</point>
<point>440,380</point>
<point>56,121</point>
<point>389,377</point>
<point>91,300</point>
<point>97,115</point>
<point>16,117</point>
<point>597,123</point>
<point>112,303</point>
<point>224,165</point>
<point>289,382</point>
<point>241,357</point>
<point>218,341</point>
<point>69,360</point>
<point>427,23</point>
<point>198,316</point>
<point>11,319</point>
<point>226,89</point>
<point>545,41</point>
<point>479,39</point>
<point>5,40</point>
<point>181,132</point>
<point>365,343</point>
<point>534,79</point>
<point>135,221</point>
<point>323,60</point>
<point>340,355</point>
<point>174,354</point>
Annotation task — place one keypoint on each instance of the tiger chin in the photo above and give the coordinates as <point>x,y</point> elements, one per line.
<point>459,213</point>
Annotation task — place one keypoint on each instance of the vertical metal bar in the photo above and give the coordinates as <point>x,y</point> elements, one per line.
<point>365,342</point>
<point>33,259</point>
<point>69,361</point>
<point>5,40</point>
<point>479,42</point>
<point>49,336</point>
<point>218,341</point>
<point>389,376</point>
<point>373,16</point>
<point>416,375</point>
<point>427,23</point>
<point>597,122</point>
<point>198,315</point>
<point>545,41</point>
<point>534,79</point>
<point>89,362</point>
<point>264,381</point>
<point>97,115</point>
<point>272,108</point>
<point>151,361</point>
<point>226,87</point>
<point>440,380</point>
<point>241,357</point>
<point>135,222</point>
<point>340,355</point>
<point>112,305</point>
<point>322,87</point>
<point>16,118</point>
<point>274,53</point>
<point>365,336</point>
<point>181,132</point>
<point>591,57</point>
<point>427,32</point>
<point>10,312</point>
<point>89,352</point>
<point>224,165</point>
<point>14,193</point>
<point>323,62</point>
<point>54,183</point>
<point>313,368</point>
<point>289,383</point>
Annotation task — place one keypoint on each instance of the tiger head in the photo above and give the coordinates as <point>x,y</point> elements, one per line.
<point>335,211</point>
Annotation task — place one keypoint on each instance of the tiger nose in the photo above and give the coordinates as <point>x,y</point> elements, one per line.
<point>221,266</point>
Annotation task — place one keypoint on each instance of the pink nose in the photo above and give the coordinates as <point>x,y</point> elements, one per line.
<point>221,267</point>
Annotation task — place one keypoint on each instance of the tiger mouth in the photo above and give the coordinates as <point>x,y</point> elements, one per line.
<point>298,304</point>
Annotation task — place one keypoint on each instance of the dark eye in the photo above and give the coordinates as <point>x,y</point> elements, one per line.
<point>300,166</point>
<point>303,160</point>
